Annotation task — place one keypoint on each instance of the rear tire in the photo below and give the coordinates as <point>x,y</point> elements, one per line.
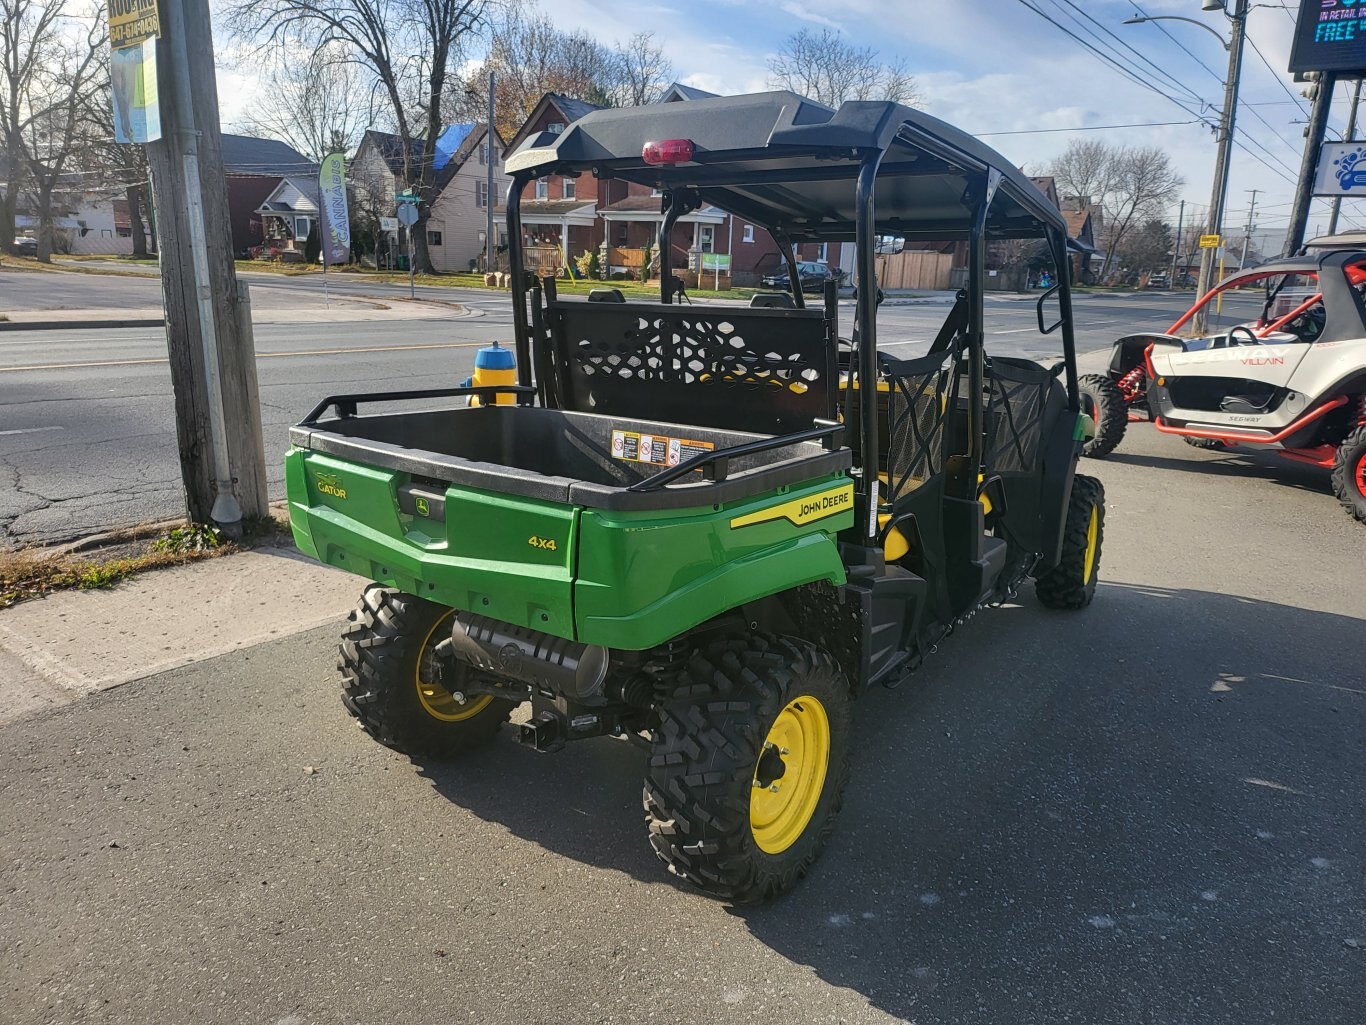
<point>1102,400</point>
<point>748,765</point>
<point>1349,474</point>
<point>1071,584</point>
<point>393,684</point>
<point>1212,444</point>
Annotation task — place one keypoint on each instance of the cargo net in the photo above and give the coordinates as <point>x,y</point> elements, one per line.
<point>1016,398</point>
<point>922,395</point>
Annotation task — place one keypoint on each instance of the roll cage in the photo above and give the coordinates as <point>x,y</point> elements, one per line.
<point>805,172</point>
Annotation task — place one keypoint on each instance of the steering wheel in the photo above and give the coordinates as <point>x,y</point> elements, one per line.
<point>1310,324</point>
<point>1252,338</point>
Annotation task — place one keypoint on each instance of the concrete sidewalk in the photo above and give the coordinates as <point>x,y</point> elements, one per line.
<point>73,643</point>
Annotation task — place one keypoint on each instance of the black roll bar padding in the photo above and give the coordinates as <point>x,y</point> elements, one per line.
<point>1038,307</point>
<point>977,245</point>
<point>542,290</point>
<point>832,308</point>
<point>715,466</point>
<point>1069,338</point>
<point>794,279</point>
<point>953,324</point>
<point>520,330</point>
<point>346,404</point>
<point>866,352</point>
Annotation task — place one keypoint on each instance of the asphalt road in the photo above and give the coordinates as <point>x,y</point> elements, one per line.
<point>87,437</point>
<point>1147,812</point>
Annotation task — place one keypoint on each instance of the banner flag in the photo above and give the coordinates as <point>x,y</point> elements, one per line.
<point>336,218</point>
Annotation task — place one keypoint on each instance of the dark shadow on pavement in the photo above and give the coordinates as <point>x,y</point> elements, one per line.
<point>1149,811</point>
<point>1244,463</point>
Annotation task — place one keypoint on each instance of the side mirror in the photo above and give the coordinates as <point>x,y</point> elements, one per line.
<point>1052,299</point>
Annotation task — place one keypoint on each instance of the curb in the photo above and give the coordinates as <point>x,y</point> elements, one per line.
<point>77,325</point>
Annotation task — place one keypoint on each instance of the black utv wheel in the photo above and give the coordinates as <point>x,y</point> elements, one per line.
<point>748,765</point>
<point>1349,473</point>
<point>1213,444</point>
<point>1071,584</point>
<point>1102,400</point>
<point>403,695</point>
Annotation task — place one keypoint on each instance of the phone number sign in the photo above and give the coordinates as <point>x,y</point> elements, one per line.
<point>133,22</point>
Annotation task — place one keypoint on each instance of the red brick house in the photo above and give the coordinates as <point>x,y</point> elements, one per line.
<point>564,217</point>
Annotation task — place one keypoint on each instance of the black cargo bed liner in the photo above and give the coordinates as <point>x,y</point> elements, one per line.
<point>557,456</point>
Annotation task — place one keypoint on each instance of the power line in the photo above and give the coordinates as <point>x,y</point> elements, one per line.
<point>1093,128</point>
<point>1279,81</point>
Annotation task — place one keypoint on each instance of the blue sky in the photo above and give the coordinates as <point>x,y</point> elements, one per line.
<point>994,66</point>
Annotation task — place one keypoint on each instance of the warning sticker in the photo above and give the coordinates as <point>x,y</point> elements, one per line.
<point>656,449</point>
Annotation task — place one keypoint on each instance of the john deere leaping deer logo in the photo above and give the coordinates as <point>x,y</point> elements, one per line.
<point>1348,176</point>
<point>331,484</point>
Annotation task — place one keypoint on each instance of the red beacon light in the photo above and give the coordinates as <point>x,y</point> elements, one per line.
<point>668,151</point>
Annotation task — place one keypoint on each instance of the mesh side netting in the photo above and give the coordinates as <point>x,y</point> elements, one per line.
<point>1016,397</point>
<point>922,394</point>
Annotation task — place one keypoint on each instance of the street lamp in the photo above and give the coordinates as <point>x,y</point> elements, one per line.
<point>1219,193</point>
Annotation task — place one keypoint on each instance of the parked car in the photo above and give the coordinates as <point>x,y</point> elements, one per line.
<point>813,277</point>
<point>25,245</point>
<point>1157,281</point>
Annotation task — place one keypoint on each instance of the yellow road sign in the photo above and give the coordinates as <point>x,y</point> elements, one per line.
<point>133,22</point>
<point>1210,241</point>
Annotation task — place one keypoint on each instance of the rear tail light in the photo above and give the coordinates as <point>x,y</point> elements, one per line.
<point>668,151</point>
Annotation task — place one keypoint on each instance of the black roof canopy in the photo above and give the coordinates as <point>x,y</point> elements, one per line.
<point>789,163</point>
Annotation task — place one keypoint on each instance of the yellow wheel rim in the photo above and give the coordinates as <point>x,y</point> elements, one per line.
<point>1092,539</point>
<point>436,700</point>
<point>790,775</point>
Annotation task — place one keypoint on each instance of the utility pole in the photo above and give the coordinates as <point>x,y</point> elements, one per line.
<point>208,334</point>
<point>1349,137</point>
<point>1227,123</point>
<point>1313,142</point>
<point>1176,249</point>
<point>490,252</point>
<point>1247,235</point>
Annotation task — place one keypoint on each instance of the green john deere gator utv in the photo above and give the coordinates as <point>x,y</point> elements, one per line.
<point>690,530</point>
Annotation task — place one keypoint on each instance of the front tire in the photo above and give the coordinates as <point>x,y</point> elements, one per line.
<point>748,765</point>
<point>1071,584</point>
<point>402,694</point>
<point>1102,400</point>
<point>1349,474</point>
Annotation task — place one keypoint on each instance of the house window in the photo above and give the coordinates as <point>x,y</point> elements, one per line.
<point>570,186</point>
<point>821,252</point>
<point>748,236</point>
<point>555,127</point>
<point>542,188</point>
<point>481,194</point>
<point>301,228</point>
<point>434,238</point>
<point>707,238</point>
<point>483,154</point>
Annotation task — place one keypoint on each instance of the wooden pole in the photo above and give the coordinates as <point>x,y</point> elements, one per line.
<point>208,336</point>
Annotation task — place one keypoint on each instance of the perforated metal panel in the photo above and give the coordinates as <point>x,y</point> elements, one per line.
<point>768,371</point>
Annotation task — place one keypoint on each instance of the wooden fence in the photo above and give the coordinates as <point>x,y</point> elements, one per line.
<point>914,269</point>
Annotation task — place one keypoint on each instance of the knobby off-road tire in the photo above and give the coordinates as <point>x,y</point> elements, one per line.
<point>1071,584</point>
<point>1102,399</point>
<point>389,681</point>
<point>1349,474</point>
<point>1206,443</point>
<point>734,697</point>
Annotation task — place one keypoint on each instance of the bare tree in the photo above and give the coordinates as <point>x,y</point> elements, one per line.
<point>122,166</point>
<point>1132,184</point>
<point>530,57</point>
<point>409,46</point>
<point>638,71</point>
<point>60,98</point>
<point>1085,169</point>
<point>29,32</point>
<point>314,99</point>
<point>822,65</point>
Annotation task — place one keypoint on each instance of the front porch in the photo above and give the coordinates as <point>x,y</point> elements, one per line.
<point>632,227</point>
